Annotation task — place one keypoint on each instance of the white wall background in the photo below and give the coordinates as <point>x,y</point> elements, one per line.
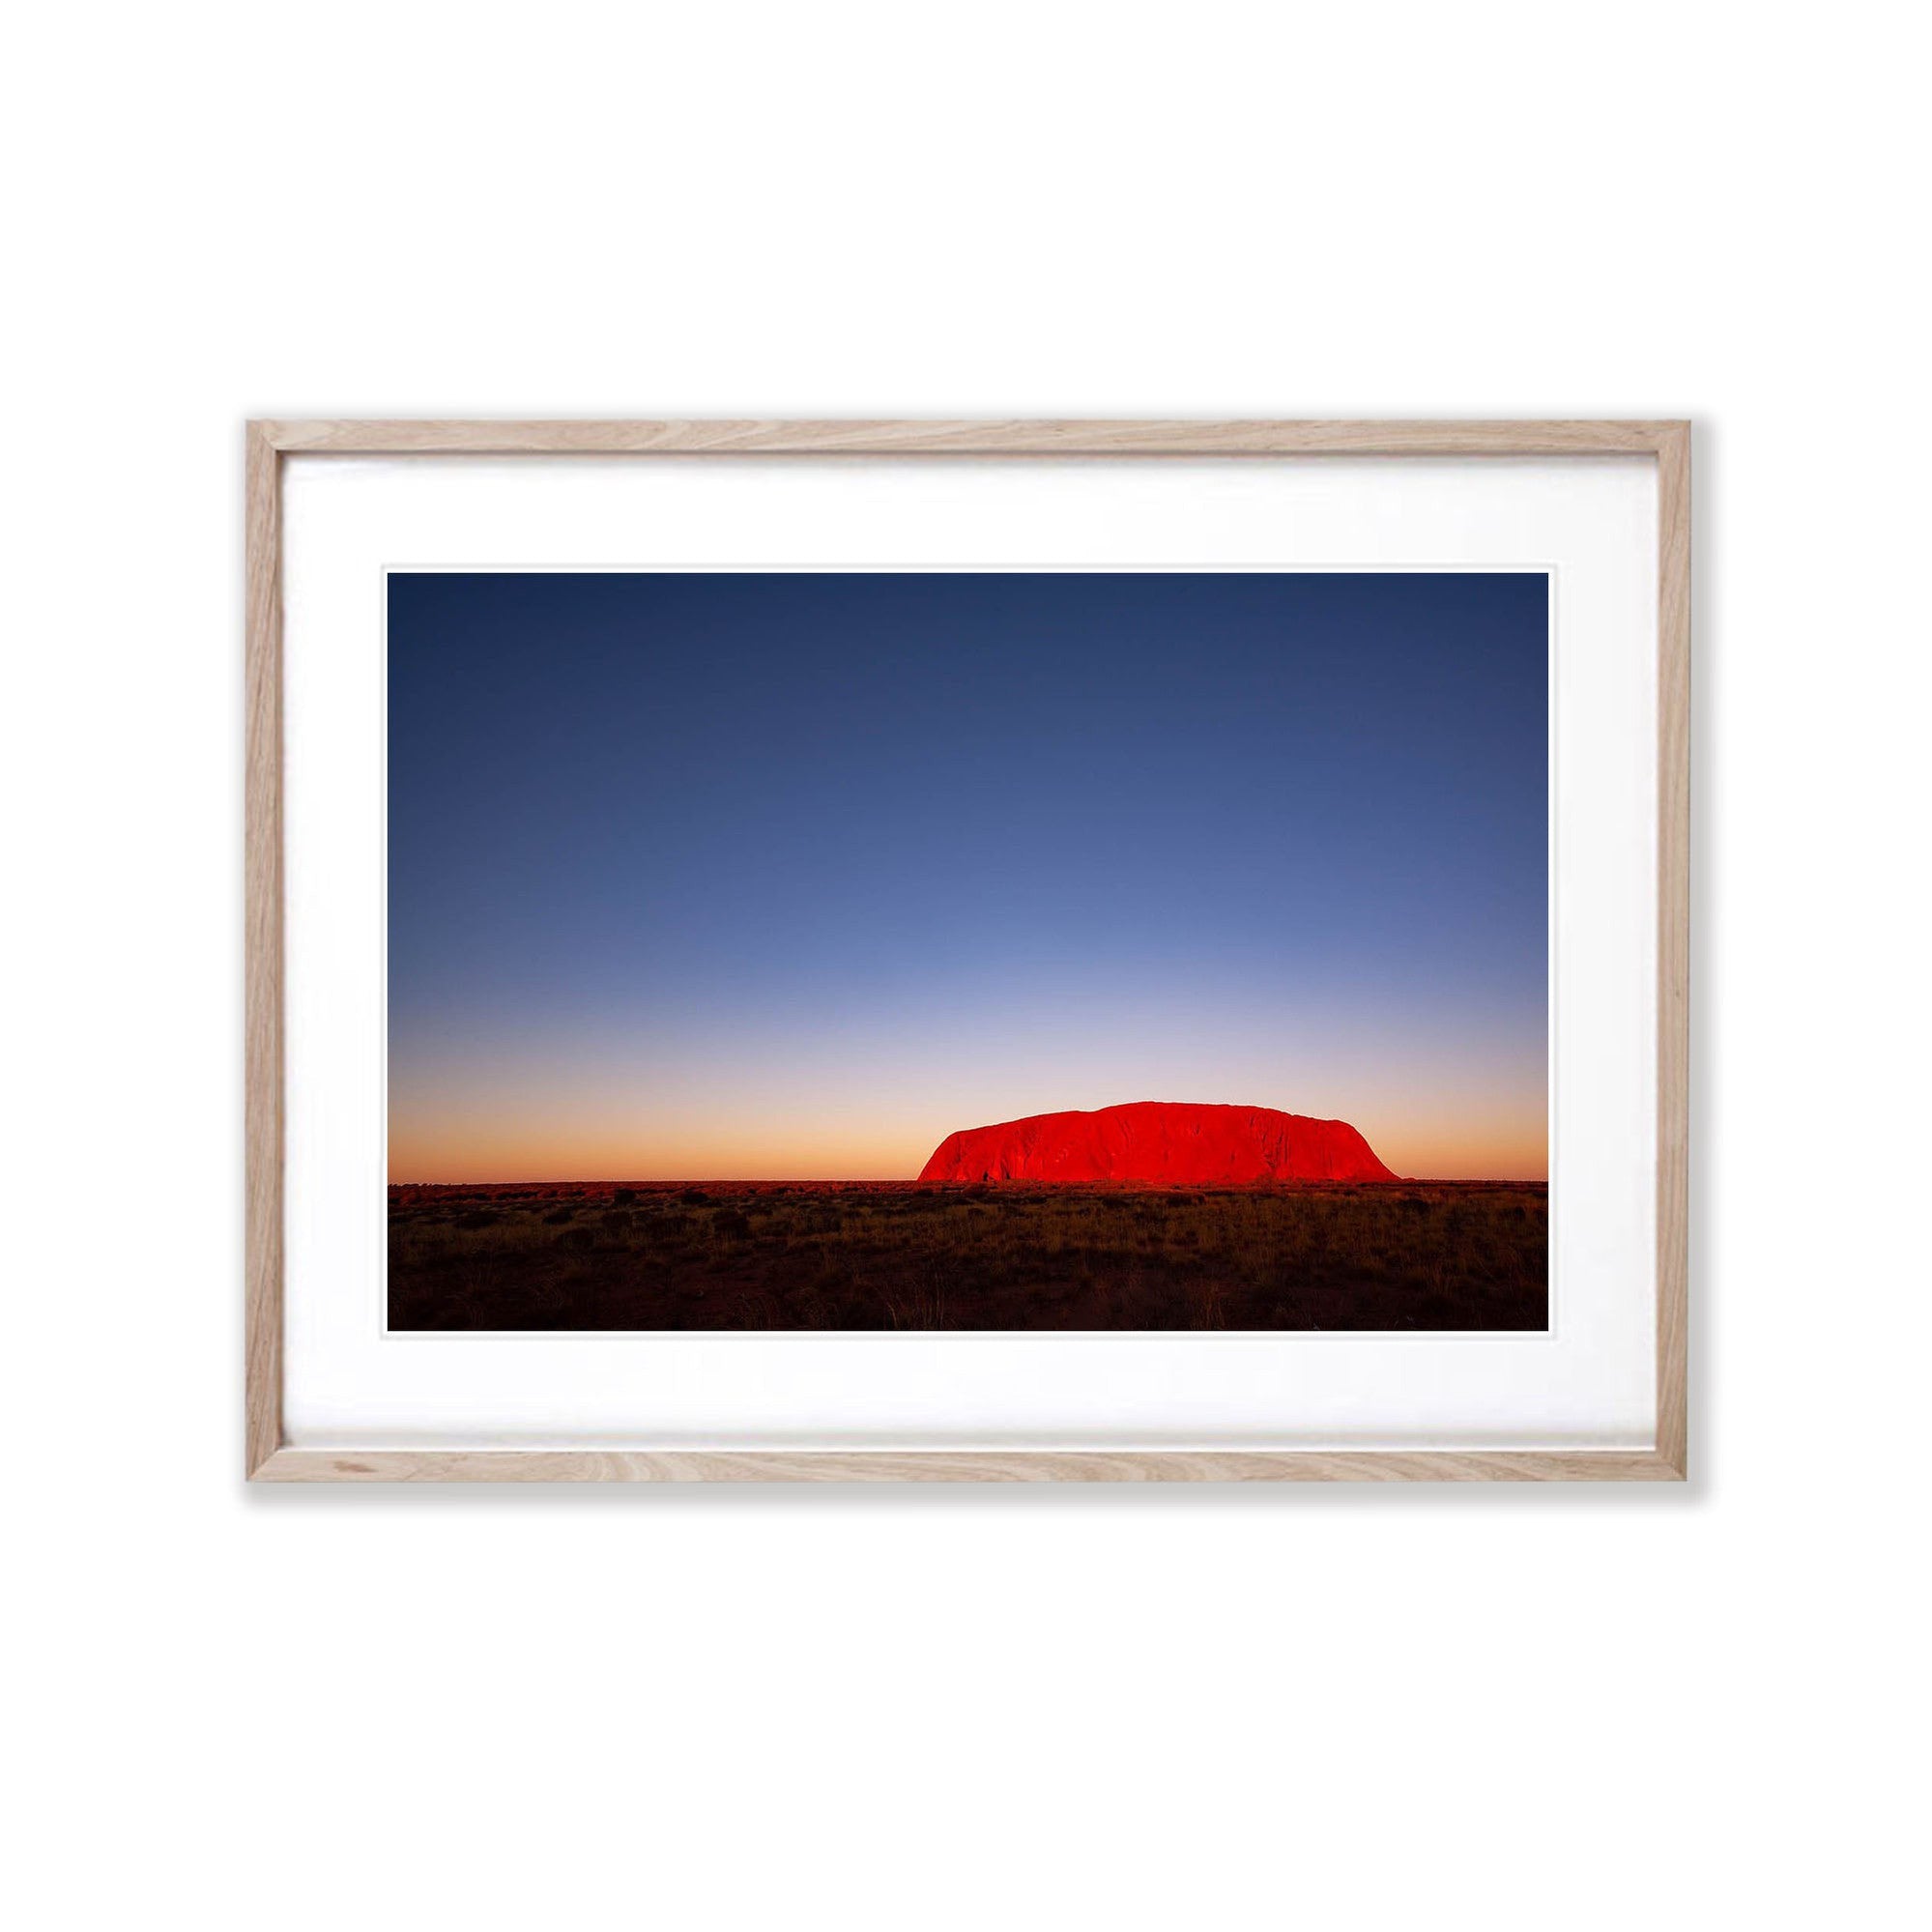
<point>1337,1709</point>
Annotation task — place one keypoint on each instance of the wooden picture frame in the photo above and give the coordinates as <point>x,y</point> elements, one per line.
<point>268,1458</point>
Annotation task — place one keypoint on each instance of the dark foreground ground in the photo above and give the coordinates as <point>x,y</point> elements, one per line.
<point>1466,1254</point>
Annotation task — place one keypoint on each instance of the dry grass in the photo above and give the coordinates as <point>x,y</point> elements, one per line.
<point>1424,1256</point>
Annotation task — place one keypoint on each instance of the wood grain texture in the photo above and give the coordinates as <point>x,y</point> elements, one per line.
<point>1673,946</point>
<point>268,1459</point>
<point>1069,438</point>
<point>962,1465</point>
<point>263,964</point>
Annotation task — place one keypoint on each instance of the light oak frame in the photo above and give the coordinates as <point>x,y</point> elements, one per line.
<point>270,1458</point>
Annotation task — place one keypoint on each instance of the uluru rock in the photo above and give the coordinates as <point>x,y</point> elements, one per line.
<point>1166,1141</point>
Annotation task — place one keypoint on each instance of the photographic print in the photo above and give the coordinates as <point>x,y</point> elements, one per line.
<point>1013,950</point>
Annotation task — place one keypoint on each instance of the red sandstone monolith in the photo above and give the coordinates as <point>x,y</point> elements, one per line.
<point>1168,1143</point>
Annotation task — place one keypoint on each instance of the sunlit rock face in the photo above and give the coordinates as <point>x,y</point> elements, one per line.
<point>1173,1142</point>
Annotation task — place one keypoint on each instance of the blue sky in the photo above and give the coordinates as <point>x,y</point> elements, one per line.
<point>790,876</point>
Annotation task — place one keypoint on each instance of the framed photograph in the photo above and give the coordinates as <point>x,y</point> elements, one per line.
<point>967,951</point>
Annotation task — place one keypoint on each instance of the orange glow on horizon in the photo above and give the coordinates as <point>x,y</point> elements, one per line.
<point>1499,1150</point>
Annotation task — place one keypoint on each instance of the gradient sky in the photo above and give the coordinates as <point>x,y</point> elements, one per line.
<point>787,876</point>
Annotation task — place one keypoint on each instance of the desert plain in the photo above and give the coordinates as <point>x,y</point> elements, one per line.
<point>906,1255</point>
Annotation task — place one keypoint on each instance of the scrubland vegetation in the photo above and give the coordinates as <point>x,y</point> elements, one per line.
<point>857,1255</point>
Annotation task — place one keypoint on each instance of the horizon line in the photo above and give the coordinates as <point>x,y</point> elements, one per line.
<point>915,1181</point>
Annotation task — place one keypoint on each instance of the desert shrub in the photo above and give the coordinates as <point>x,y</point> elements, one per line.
<point>624,1197</point>
<point>695,1197</point>
<point>559,1215</point>
<point>576,1238</point>
<point>478,1216</point>
<point>758,1309</point>
<point>729,1222</point>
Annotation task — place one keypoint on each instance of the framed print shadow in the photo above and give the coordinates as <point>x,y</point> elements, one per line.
<point>967,951</point>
